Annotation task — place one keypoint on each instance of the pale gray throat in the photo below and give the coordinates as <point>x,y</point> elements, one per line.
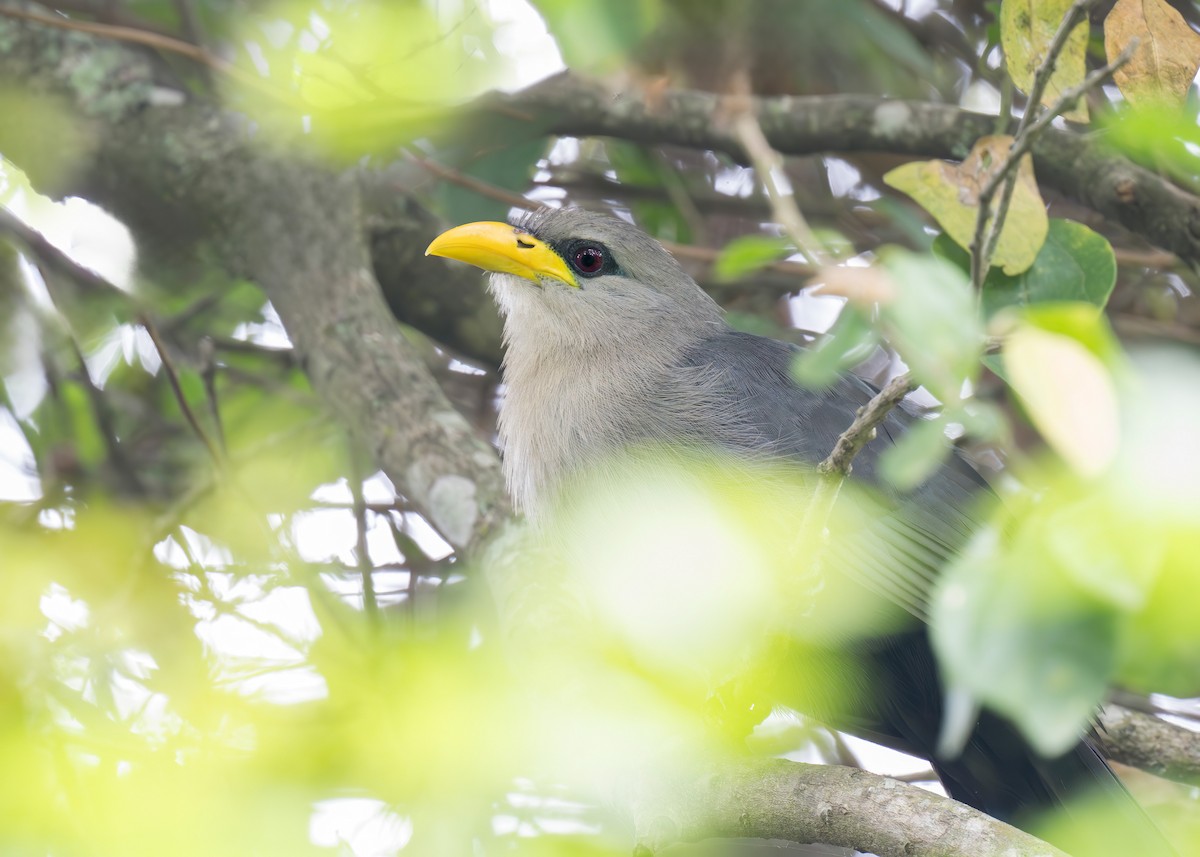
<point>583,377</point>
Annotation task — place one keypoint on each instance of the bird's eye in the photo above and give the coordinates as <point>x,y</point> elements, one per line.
<point>588,259</point>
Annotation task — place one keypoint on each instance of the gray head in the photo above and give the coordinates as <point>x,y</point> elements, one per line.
<point>597,316</point>
<point>582,279</point>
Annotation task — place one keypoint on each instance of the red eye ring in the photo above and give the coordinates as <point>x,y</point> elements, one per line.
<point>588,259</point>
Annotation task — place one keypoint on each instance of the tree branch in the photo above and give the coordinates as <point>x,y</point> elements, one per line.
<point>862,430</point>
<point>776,799</point>
<point>1150,743</point>
<point>286,223</point>
<point>1074,164</point>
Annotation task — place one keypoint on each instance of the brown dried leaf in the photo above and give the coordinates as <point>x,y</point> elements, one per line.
<point>950,192</point>
<point>1167,56</point>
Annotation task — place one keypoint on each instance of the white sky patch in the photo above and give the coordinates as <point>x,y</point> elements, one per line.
<point>735,181</point>
<point>520,35</point>
<point>364,827</point>
<point>18,468</point>
<point>814,313</point>
<point>64,612</point>
<point>82,230</point>
<point>981,97</point>
<point>843,177</point>
<point>268,333</point>
<point>322,535</point>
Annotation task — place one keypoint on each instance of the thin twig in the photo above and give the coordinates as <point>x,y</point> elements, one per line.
<point>362,554</point>
<point>1022,144</point>
<point>208,373</point>
<point>703,255</point>
<point>55,259</point>
<point>766,161</point>
<point>104,421</point>
<point>988,226</point>
<point>862,430</point>
<point>177,389</point>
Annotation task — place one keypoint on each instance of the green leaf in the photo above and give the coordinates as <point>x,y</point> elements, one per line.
<point>85,435</point>
<point>509,168</point>
<point>850,341</point>
<point>1068,390</point>
<point>598,36</point>
<point>916,455</point>
<point>1075,264</point>
<point>1018,637</point>
<point>747,254</point>
<point>932,322</point>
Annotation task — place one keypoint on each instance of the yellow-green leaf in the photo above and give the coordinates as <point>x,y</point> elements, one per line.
<point>1026,29</point>
<point>1069,394</point>
<point>1167,55</point>
<point>950,192</point>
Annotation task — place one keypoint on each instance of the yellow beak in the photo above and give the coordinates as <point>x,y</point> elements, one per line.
<point>503,248</point>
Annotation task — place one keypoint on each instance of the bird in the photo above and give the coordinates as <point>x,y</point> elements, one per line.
<point>609,343</point>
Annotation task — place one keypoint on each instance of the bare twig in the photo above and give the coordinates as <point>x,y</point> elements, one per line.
<point>704,255</point>
<point>988,225</point>
<point>365,570</point>
<point>766,162</point>
<point>177,389</point>
<point>103,415</point>
<point>862,430</point>
<point>208,373</point>
<point>53,258</point>
<point>1008,171</point>
<point>841,806</point>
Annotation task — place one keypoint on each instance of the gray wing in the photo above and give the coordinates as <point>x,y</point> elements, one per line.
<point>910,536</point>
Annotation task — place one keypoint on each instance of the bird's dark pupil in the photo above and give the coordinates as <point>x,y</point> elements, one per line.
<point>589,260</point>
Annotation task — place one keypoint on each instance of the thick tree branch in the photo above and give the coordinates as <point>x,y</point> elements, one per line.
<point>1150,743</point>
<point>1075,165</point>
<point>776,799</point>
<point>195,175</point>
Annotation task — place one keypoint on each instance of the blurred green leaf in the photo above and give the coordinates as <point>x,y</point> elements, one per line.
<point>1068,392</point>
<point>41,139</point>
<point>1162,139</point>
<point>1095,826</point>
<point>932,321</point>
<point>917,454</point>
<point>85,434</point>
<point>1017,636</point>
<point>747,254</point>
<point>850,341</point>
<point>356,78</point>
<point>597,37</point>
